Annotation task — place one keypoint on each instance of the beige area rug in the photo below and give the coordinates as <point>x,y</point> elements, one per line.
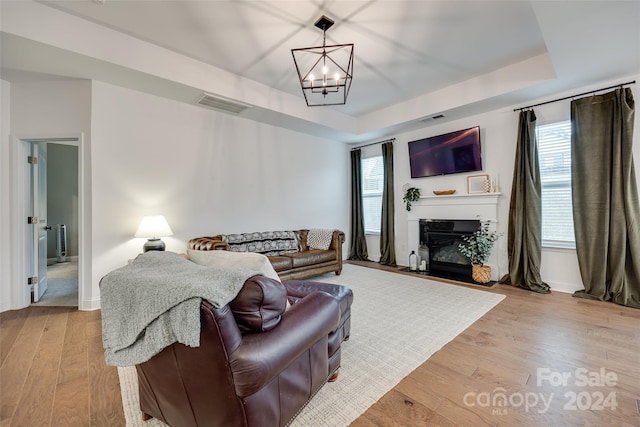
<point>397,322</point>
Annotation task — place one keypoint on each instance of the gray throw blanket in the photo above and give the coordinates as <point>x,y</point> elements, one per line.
<point>155,300</point>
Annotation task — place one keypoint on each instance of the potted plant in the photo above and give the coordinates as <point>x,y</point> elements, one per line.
<point>477,247</point>
<point>411,194</point>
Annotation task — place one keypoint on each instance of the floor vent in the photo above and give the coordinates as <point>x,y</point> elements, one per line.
<point>221,104</point>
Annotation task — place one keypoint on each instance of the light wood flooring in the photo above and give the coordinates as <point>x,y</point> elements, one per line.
<point>52,369</point>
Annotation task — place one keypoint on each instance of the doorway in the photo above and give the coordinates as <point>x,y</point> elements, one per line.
<point>62,225</point>
<point>51,199</point>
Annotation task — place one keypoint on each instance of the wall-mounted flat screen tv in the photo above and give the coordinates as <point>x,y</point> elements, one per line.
<point>454,152</point>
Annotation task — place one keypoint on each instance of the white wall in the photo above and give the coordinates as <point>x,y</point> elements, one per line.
<point>559,267</point>
<point>5,226</point>
<point>206,172</point>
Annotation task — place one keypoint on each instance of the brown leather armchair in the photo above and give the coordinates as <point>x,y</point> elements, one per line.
<point>299,289</point>
<point>260,377</point>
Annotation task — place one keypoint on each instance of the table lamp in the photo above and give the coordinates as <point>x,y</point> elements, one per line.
<point>153,227</point>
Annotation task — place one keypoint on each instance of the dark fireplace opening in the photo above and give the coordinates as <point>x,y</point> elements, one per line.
<point>439,240</point>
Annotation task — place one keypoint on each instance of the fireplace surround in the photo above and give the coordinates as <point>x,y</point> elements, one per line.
<point>463,207</point>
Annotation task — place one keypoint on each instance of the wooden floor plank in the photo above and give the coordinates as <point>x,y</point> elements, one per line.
<point>71,402</point>
<point>17,364</point>
<point>36,401</point>
<point>406,413</point>
<point>104,388</point>
<point>104,385</point>
<point>12,322</point>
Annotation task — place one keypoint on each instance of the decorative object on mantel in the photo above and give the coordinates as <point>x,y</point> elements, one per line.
<point>478,184</point>
<point>411,194</point>
<point>477,247</point>
<point>443,192</point>
<point>495,185</point>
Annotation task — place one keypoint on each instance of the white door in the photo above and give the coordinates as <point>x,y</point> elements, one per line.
<point>39,219</point>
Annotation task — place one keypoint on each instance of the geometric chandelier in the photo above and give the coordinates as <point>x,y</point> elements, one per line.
<point>325,72</point>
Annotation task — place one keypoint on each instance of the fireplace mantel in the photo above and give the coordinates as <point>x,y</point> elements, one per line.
<point>456,206</point>
<point>482,206</point>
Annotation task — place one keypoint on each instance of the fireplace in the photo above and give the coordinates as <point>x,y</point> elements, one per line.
<point>439,240</point>
<point>456,207</point>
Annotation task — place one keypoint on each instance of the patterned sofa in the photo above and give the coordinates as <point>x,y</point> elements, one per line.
<point>296,254</point>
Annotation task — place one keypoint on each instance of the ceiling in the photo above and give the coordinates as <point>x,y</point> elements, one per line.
<point>409,55</point>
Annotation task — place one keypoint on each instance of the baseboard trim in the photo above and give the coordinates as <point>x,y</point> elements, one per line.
<point>90,305</point>
<point>568,288</point>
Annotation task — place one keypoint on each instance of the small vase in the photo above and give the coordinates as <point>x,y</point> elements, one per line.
<point>481,273</point>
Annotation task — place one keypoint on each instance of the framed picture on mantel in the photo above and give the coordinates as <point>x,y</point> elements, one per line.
<point>476,184</point>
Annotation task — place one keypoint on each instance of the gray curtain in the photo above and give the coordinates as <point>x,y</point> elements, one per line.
<point>524,246</point>
<point>358,243</point>
<point>606,210</point>
<point>387,230</point>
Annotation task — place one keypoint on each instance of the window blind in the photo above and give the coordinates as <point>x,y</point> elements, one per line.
<point>372,182</point>
<point>554,156</point>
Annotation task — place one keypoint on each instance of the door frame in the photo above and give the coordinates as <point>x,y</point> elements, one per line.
<point>20,194</point>
<point>38,191</point>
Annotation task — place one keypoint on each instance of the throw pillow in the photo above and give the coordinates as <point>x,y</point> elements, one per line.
<point>250,260</point>
<point>319,238</point>
<point>266,242</point>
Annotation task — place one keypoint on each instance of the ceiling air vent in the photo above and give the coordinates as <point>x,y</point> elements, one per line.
<point>221,104</point>
<point>432,118</point>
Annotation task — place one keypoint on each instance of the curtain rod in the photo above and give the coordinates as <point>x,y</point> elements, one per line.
<point>575,96</point>
<point>373,143</point>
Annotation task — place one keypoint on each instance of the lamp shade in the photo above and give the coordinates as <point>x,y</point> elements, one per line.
<point>153,226</point>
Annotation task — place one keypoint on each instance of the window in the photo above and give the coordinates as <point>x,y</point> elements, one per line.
<point>372,182</point>
<point>554,155</point>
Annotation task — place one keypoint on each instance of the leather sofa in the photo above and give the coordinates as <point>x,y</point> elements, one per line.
<point>258,362</point>
<point>289,251</point>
